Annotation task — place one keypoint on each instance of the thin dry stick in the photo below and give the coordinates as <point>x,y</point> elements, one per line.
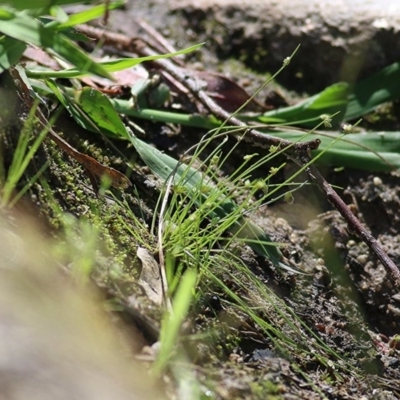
<point>259,139</point>
<point>354,223</point>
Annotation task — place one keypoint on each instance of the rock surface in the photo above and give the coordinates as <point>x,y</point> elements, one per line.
<point>340,40</point>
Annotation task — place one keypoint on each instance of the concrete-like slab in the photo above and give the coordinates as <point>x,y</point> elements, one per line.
<point>339,38</point>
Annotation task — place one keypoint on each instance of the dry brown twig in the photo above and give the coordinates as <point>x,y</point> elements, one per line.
<point>302,151</point>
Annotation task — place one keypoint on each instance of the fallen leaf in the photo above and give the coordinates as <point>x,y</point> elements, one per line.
<point>150,277</point>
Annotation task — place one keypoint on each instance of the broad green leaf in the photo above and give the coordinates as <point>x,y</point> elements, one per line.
<point>29,30</point>
<point>109,66</point>
<point>306,113</point>
<point>59,14</point>
<point>382,87</point>
<point>100,110</point>
<point>11,51</point>
<point>70,105</point>
<point>92,110</point>
<point>6,14</point>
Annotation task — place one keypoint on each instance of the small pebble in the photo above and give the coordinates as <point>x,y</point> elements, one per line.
<point>396,297</point>
<point>394,310</point>
<point>350,243</point>
<point>362,259</point>
<point>377,181</point>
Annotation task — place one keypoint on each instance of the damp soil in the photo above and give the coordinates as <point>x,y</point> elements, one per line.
<point>346,299</point>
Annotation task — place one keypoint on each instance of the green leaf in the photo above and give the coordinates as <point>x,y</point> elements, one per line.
<point>195,120</point>
<point>29,30</point>
<point>76,113</point>
<point>382,87</point>
<point>124,63</point>
<point>11,51</point>
<point>172,321</point>
<point>109,66</point>
<point>90,14</point>
<point>5,14</point>
<point>306,113</point>
<point>100,110</point>
<point>92,110</point>
<point>367,151</point>
<point>32,4</point>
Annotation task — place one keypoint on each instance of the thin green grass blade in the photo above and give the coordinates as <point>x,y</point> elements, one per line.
<point>88,15</point>
<point>70,105</point>
<point>29,30</point>
<point>32,4</point>
<point>197,121</point>
<point>172,322</point>
<point>109,66</point>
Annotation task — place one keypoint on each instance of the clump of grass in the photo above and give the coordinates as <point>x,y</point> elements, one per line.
<point>195,238</point>
<point>26,147</point>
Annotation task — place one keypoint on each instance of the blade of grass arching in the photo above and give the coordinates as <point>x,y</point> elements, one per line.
<point>367,161</point>
<point>379,88</point>
<point>32,4</point>
<point>70,105</point>
<point>11,51</point>
<point>22,27</point>
<point>331,100</point>
<point>88,15</point>
<point>108,66</point>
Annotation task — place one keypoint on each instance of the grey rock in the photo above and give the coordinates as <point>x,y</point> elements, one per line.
<point>340,40</point>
